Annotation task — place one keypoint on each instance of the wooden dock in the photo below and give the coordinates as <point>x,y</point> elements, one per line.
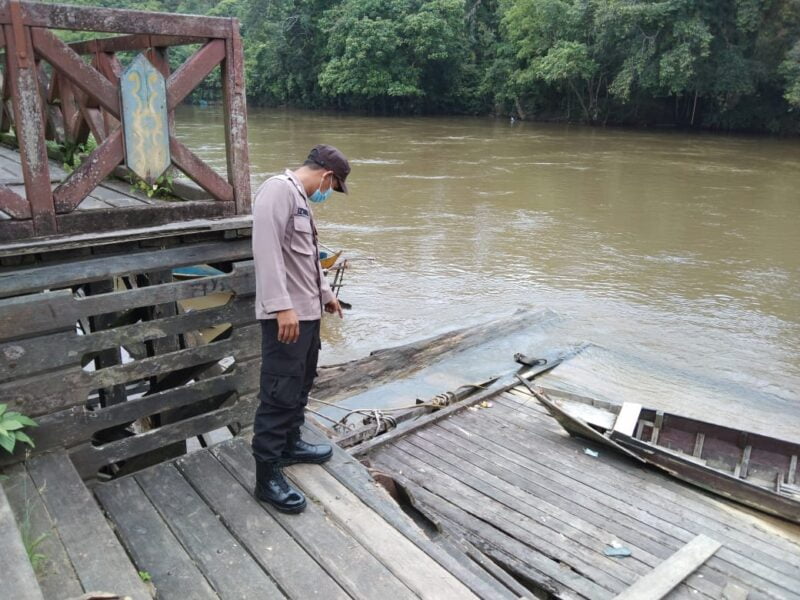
<point>509,480</point>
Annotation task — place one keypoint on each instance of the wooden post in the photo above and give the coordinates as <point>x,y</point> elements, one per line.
<point>235,105</point>
<point>28,122</point>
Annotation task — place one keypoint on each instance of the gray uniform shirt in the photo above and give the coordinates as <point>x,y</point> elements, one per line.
<point>288,273</point>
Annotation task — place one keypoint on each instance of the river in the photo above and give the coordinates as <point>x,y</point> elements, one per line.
<point>676,251</point>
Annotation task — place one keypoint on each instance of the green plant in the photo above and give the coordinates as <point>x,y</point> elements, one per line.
<point>11,425</point>
<point>162,188</point>
<point>145,576</point>
<point>74,154</point>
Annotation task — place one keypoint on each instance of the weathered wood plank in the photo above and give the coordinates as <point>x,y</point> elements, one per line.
<point>30,128</point>
<point>14,204</point>
<point>33,280</point>
<point>140,216</point>
<point>199,172</point>
<point>90,173</point>
<point>93,549</point>
<point>191,73</point>
<point>108,20</point>
<point>42,394</point>
<point>660,581</point>
<point>34,354</point>
<point>409,564</point>
<point>150,543</point>
<point>220,557</point>
<point>60,310</point>
<point>601,481</point>
<point>19,581</point>
<point>568,514</point>
<point>57,578</point>
<point>357,479</point>
<point>352,566</point>
<point>275,550</point>
<point>131,42</point>
<point>544,571</point>
<point>88,458</point>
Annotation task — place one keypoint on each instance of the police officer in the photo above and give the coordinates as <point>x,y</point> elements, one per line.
<point>291,292</point>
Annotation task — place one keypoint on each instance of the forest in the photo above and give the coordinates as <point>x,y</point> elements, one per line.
<point>712,64</point>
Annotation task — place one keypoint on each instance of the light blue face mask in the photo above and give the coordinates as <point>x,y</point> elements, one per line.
<point>320,196</point>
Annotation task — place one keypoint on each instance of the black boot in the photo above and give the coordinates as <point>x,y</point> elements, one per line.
<point>272,487</point>
<point>298,451</point>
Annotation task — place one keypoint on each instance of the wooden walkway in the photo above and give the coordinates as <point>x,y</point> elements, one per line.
<point>193,530</point>
<point>508,479</point>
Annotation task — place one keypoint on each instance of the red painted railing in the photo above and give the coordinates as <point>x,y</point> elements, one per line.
<point>72,98</point>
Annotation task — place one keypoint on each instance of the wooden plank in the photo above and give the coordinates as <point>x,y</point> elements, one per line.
<point>14,204</point>
<point>401,557</point>
<point>661,580</point>
<point>698,445</point>
<point>192,72</point>
<point>95,553</point>
<point>132,42</point>
<point>628,417</point>
<point>199,172</point>
<point>30,128</point>
<point>353,475</point>
<point>19,580</point>
<point>510,510</point>
<point>71,66</point>
<point>26,281</point>
<point>150,543</point>
<point>297,573</point>
<point>544,571</point>
<point>234,102</point>
<point>89,459</point>
<point>792,473</point>
<point>139,216</point>
<point>657,427</point>
<point>350,564</point>
<point>186,228</point>
<point>77,425</point>
<point>679,511</point>
<point>38,395</point>
<point>35,354</point>
<point>109,20</point>
<point>57,578</point>
<point>219,556</point>
<point>90,173</point>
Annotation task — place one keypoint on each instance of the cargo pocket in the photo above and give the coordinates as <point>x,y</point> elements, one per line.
<point>302,236</point>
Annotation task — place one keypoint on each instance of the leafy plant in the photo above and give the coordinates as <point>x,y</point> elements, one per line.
<point>145,576</point>
<point>162,188</point>
<point>75,154</point>
<point>11,425</point>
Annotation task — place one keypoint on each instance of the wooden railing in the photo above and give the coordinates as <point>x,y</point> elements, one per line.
<point>63,92</point>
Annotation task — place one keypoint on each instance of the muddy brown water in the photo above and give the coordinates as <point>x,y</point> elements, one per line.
<point>672,253</point>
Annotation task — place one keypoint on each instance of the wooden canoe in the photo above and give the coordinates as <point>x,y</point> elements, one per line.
<point>748,468</point>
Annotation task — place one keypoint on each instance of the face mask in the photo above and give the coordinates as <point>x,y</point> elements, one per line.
<point>319,195</point>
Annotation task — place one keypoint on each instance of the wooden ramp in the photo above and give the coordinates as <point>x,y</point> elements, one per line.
<point>192,529</point>
<point>509,480</point>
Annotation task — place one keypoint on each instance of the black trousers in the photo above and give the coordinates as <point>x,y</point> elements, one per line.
<point>287,374</point>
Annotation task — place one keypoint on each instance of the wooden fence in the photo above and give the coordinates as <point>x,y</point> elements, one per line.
<point>62,92</point>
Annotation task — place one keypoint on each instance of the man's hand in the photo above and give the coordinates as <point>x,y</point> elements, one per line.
<point>333,307</point>
<point>288,326</point>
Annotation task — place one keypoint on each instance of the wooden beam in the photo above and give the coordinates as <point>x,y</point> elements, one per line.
<point>29,127</point>
<point>109,20</point>
<point>627,418</point>
<point>189,75</point>
<point>14,204</point>
<point>235,108</point>
<point>90,173</point>
<point>131,43</point>
<point>199,172</point>
<point>71,66</point>
<point>698,445</point>
<point>660,581</point>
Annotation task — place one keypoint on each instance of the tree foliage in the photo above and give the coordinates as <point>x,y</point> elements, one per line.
<point>726,64</point>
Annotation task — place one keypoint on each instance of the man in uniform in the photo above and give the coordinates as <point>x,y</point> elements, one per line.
<point>291,292</point>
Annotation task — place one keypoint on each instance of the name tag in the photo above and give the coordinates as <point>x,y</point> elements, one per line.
<point>302,212</point>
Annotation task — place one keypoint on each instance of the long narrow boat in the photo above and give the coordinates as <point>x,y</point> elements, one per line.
<point>749,468</point>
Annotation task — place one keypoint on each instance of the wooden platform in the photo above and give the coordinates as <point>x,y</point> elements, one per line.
<point>509,480</point>
<point>192,529</point>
